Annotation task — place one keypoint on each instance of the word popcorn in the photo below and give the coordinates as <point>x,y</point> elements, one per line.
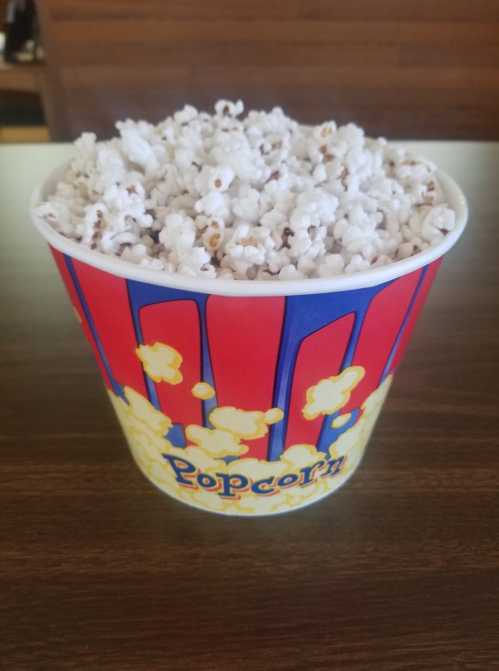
<point>231,485</point>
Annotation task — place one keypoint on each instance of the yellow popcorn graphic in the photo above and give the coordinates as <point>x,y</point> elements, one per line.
<point>246,424</point>
<point>144,427</point>
<point>145,411</point>
<point>273,416</point>
<point>341,420</point>
<point>332,393</point>
<point>373,403</point>
<point>216,442</point>
<point>202,458</point>
<point>213,473</point>
<point>161,362</point>
<point>203,391</point>
<point>299,456</point>
<point>351,444</point>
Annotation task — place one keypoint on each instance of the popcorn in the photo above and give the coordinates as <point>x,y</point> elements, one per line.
<point>341,420</point>
<point>329,395</point>
<point>331,264</point>
<point>351,443</point>
<point>161,362</point>
<point>273,416</point>
<point>243,423</point>
<point>203,391</point>
<point>229,108</point>
<point>178,233</point>
<point>215,442</point>
<point>258,197</point>
<point>142,409</point>
<point>290,272</point>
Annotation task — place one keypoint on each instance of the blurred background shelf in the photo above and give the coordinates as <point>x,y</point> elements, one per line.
<point>26,77</point>
<point>23,80</point>
<point>22,97</point>
<point>28,134</point>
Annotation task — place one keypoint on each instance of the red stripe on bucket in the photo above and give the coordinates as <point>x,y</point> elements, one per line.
<point>75,300</point>
<point>176,323</point>
<point>379,331</point>
<point>320,356</point>
<point>416,309</point>
<point>244,336</point>
<point>107,300</point>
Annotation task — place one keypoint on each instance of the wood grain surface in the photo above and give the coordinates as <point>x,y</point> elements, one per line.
<point>418,68</point>
<point>398,571</point>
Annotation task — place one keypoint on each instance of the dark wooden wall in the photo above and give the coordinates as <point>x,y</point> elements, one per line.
<point>401,68</point>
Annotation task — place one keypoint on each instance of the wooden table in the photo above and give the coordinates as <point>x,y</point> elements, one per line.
<point>397,571</point>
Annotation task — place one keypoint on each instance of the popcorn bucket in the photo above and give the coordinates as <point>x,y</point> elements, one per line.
<point>241,397</point>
